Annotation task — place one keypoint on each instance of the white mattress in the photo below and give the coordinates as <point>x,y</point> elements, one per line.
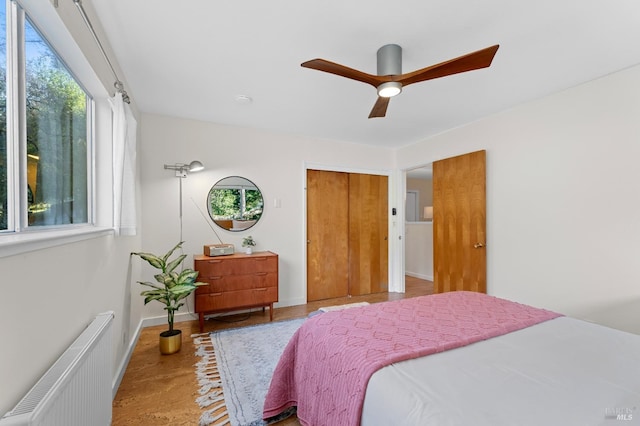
<point>560,372</point>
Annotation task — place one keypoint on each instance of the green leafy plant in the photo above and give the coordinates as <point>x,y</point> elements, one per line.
<point>173,286</point>
<point>248,241</point>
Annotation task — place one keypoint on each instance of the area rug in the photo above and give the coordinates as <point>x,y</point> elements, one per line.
<point>235,371</point>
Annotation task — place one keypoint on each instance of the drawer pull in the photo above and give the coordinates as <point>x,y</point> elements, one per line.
<point>260,289</point>
<point>214,261</point>
<point>260,258</point>
<point>261,273</point>
<point>215,294</point>
<point>215,278</point>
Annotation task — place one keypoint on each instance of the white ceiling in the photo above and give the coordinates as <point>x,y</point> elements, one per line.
<point>192,58</point>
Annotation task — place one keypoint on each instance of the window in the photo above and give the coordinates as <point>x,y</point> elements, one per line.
<point>44,169</point>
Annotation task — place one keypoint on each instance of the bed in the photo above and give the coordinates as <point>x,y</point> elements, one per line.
<point>456,358</point>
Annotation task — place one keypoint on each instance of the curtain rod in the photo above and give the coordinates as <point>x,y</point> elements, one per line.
<point>118,84</point>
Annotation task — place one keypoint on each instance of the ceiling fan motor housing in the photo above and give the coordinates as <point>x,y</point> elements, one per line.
<point>390,60</point>
<point>389,63</point>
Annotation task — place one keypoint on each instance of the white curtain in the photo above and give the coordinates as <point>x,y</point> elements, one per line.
<point>124,167</point>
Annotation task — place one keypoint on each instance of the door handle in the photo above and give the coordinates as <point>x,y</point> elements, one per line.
<point>478,245</point>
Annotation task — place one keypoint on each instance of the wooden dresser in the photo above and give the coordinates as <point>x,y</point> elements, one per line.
<point>236,281</point>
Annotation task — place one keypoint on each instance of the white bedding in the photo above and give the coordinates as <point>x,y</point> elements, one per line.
<point>559,372</point>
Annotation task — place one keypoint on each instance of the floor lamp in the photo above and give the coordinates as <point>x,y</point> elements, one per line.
<point>182,170</point>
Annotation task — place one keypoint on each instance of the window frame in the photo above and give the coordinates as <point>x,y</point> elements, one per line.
<point>19,238</point>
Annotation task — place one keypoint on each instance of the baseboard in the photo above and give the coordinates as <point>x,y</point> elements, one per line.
<point>290,302</point>
<point>421,276</point>
<point>125,361</point>
<point>179,317</point>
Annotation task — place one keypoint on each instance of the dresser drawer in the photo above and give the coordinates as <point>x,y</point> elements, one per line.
<point>236,299</point>
<point>238,282</point>
<point>213,267</point>
<point>256,296</point>
<point>209,302</point>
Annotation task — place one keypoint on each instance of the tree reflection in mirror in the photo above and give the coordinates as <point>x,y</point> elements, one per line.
<point>235,203</point>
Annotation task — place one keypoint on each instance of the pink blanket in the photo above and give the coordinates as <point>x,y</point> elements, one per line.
<point>326,366</point>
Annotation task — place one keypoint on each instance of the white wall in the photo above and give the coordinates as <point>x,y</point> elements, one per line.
<point>418,250</point>
<point>274,162</point>
<point>425,190</point>
<point>563,198</point>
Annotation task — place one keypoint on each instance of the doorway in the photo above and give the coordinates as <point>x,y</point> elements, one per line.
<point>457,235</point>
<point>418,229</point>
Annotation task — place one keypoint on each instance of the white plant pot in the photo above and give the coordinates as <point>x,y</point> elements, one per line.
<point>248,250</point>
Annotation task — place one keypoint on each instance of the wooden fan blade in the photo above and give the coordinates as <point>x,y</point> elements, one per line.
<point>341,70</point>
<point>469,62</point>
<point>379,108</point>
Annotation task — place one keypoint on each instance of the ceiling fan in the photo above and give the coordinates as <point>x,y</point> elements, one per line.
<point>390,80</point>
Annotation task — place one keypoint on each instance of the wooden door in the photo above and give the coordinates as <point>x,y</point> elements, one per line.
<point>368,234</point>
<point>459,224</point>
<point>327,234</point>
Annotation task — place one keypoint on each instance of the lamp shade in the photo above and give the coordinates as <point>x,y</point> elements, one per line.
<point>195,166</point>
<point>428,213</point>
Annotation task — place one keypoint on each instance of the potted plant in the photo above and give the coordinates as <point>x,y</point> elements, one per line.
<point>171,289</point>
<point>248,242</point>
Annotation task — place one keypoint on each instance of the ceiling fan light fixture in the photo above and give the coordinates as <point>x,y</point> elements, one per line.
<point>389,89</point>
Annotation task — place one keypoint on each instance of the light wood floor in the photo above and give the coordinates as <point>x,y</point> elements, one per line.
<point>161,390</point>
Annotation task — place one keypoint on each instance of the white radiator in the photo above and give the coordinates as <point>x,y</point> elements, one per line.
<point>76,390</point>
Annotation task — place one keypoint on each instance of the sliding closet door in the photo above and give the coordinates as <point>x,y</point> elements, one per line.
<point>347,242</point>
<point>368,229</point>
<point>459,224</point>
<point>327,234</point>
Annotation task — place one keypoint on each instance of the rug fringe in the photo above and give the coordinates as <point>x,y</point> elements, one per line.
<point>206,387</point>
<point>208,418</point>
<point>210,398</point>
<point>210,383</point>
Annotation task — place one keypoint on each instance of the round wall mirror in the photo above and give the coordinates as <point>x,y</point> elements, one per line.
<point>235,203</point>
